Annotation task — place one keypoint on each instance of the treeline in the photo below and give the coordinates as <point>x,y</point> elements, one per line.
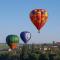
<point>29,53</point>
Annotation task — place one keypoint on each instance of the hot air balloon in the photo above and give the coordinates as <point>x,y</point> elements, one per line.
<point>39,18</point>
<point>12,41</point>
<point>25,36</point>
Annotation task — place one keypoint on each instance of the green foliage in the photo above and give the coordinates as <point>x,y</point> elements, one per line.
<point>33,56</point>
<point>27,53</point>
<point>43,57</point>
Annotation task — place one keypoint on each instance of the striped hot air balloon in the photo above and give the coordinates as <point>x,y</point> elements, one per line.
<point>12,41</point>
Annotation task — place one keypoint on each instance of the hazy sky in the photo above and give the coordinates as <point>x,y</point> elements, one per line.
<point>14,18</point>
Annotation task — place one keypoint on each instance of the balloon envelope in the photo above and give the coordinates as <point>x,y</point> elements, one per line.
<point>12,41</point>
<point>25,36</point>
<point>39,17</point>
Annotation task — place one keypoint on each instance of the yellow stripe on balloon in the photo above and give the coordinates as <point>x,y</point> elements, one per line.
<point>46,14</point>
<point>35,10</point>
<point>39,12</point>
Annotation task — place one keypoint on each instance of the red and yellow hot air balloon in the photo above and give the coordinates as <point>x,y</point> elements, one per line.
<point>39,17</point>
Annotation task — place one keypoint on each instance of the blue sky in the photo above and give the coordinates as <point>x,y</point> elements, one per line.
<point>14,18</point>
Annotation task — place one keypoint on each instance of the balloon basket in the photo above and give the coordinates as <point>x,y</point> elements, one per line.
<point>38,31</point>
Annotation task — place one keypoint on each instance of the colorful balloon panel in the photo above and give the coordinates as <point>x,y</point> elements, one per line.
<point>13,45</point>
<point>39,17</point>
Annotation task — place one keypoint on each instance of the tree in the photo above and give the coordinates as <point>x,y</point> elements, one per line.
<point>24,54</point>
<point>43,57</point>
<point>33,56</point>
<point>51,56</point>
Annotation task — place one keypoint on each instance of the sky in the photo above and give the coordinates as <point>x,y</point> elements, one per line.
<point>14,18</point>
